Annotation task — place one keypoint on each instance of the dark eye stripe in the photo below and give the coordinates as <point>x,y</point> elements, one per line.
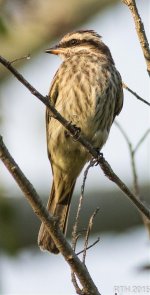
<point>98,45</point>
<point>74,42</point>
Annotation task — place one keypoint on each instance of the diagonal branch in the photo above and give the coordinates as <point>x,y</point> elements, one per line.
<point>113,177</point>
<point>90,246</point>
<point>135,94</point>
<point>46,100</point>
<point>51,222</point>
<point>80,138</point>
<point>140,31</point>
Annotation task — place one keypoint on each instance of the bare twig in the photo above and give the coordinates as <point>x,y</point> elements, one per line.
<point>132,158</point>
<point>146,52</point>
<point>132,152</point>
<point>140,31</point>
<point>146,221</point>
<point>75,234</point>
<point>76,286</point>
<point>90,246</point>
<point>73,131</point>
<point>124,134</point>
<point>135,94</point>
<point>141,140</point>
<point>88,233</point>
<point>113,177</point>
<point>50,222</point>
<point>75,227</point>
<point>20,58</point>
<point>73,277</point>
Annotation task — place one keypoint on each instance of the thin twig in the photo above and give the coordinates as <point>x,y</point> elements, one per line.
<point>50,222</point>
<point>75,227</point>
<point>146,221</point>
<point>132,158</point>
<point>73,131</point>
<point>28,56</point>
<point>135,94</point>
<point>136,188</point>
<point>146,52</point>
<point>76,286</point>
<point>141,140</point>
<point>132,153</point>
<point>75,239</point>
<point>89,228</point>
<point>124,134</point>
<point>90,246</point>
<point>113,177</point>
<point>140,31</point>
<point>75,236</point>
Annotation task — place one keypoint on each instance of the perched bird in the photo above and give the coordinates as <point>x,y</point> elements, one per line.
<point>87,91</point>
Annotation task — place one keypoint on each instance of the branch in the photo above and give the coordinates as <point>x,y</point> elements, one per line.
<point>21,58</point>
<point>140,31</point>
<point>76,286</point>
<point>141,140</point>
<point>46,100</point>
<point>113,177</point>
<point>90,246</point>
<point>132,158</point>
<point>75,234</point>
<point>135,94</point>
<point>132,152</point>
<point>88,233</point>
<point>73,276</point>
<point>80,138</point>
<point>51,222</point>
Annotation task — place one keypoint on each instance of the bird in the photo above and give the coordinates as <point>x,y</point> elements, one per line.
<point>87,91</point>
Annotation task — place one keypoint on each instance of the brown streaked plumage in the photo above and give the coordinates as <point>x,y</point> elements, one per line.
<point>86,90</point>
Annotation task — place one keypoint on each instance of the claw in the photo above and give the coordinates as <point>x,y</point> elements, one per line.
<point>76,132</point>
<point>100,156</point>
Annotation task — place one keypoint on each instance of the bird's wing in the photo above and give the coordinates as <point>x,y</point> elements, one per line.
<point>53,94</point>
<point>119,97</point>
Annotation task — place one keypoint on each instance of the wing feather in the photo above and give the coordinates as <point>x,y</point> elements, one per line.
<point>119,99</point>
<point>53,94</point>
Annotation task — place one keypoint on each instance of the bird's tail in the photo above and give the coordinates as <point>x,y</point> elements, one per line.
<point>58,205</point>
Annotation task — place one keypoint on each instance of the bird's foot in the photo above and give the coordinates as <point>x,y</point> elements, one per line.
<point>77,131</point>
<point>76,134</point>
<point>96,161</point>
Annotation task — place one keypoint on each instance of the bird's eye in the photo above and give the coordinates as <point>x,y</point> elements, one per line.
<point>73,42</point>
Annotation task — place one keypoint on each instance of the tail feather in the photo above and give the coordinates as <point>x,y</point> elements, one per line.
<point>57,206</point>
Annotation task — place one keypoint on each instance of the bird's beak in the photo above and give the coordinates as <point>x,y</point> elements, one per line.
<point>54,50</point>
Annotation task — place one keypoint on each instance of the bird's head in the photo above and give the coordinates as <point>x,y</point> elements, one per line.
<point>83,41</point>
